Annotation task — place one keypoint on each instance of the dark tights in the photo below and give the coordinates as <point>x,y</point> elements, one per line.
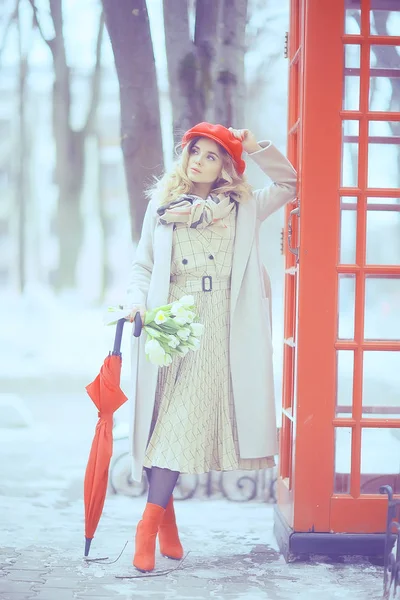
<point>161,485</point>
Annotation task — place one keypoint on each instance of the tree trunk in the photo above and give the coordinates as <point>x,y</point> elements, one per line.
<point>207,39</point>
<point>70,226</point>
<point>128,26</point>
<point>23,161</point>
<point>182,68</point>
<point>229,88</point>
<point>191,65</point>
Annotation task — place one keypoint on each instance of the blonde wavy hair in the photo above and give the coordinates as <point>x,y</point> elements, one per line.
<point>176,183</point>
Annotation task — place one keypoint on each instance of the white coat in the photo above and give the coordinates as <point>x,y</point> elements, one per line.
<point>250,331</point>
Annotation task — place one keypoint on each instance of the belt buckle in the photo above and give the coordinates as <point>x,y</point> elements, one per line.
<point>203,283</point>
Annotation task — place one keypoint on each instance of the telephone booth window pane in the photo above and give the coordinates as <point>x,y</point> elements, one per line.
<point>385,78</point>
<point>380,459</point>
<point>349,175</point>
<point>347,289</point>
<point>352,17</point>
<point>344,383</point>
<point>342,460</point>
<point>382,308</point>
<point>383,153</point>
<point>380,397</point>
<point>351,90</point>
<point>385,22</point>
<point>383,231</point>
<point>348,230</point>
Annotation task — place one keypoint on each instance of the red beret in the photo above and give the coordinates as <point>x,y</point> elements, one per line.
<point>222,136</point>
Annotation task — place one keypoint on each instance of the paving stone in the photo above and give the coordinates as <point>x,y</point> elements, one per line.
<point>98,592</point>
<point>30,563</point>
<point>56,583</point>
<point>14,586</point>
<point>17,596</point>
<point>68,572</point>
<point>27,575</point>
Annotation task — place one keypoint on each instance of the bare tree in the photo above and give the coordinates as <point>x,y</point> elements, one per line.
<point>129,30</point>
<point>69,144</point>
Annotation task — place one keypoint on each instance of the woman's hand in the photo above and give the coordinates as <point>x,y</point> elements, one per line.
<point>247,138</point>
<point>139,308</point>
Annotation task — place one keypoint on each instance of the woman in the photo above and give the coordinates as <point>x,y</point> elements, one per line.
<point>214,408</point>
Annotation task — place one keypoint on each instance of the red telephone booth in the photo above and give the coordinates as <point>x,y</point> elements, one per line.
<point>340,435</point>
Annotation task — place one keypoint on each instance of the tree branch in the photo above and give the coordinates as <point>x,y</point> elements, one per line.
<point>96,80</point>
<point>36,22</point>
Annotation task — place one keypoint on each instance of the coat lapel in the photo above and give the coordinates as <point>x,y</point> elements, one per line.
<point>245,231</point>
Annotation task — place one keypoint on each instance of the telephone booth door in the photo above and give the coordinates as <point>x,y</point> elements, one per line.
<point>340,434</point>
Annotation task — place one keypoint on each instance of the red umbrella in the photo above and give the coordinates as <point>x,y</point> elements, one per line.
<point>107,395</point>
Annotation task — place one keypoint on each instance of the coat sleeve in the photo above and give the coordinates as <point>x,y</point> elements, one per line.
<point>284,180</point>
<point>142,265</point>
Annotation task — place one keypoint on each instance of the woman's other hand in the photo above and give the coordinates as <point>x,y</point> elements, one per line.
<point>139,308</point>
<point>247,138</point>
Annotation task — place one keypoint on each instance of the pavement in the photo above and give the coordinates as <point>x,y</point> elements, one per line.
<point>230,549</point>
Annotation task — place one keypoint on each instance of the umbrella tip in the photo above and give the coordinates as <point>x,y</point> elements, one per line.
<point>87,545</point>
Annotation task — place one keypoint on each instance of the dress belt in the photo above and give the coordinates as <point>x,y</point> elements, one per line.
<point>207,283</point>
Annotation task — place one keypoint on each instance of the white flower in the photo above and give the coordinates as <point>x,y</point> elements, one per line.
<point>155,352</point>
<point>173,341</point>
<point>183,333</point>
<point>167,360</point>
<point>193,343</point>
<point>190,316</point>
<point>197,329</point>
<point>180,321</point>
<point>160,317</point>
<point>187,301</point>
<point>176,307</point>
<point>180,312</point>
<point>183,350</point>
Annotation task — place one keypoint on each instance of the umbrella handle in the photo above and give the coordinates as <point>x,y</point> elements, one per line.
<point>138,325</point>
<point>118,337</point>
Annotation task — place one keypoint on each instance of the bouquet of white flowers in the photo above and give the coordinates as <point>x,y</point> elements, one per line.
<point>171,330</point>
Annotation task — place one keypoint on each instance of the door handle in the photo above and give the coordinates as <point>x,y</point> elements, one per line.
<point>295,251</point>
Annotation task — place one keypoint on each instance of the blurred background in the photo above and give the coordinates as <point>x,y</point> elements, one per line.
<point>88,115</point>
<point>93,98</point>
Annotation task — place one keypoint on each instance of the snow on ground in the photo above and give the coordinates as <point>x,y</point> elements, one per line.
<point>232,551</point>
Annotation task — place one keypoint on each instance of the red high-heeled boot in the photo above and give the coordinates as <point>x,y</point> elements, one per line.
<point>168,536</point>
<point>146,533</point>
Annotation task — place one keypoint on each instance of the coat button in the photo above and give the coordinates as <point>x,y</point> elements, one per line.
<point>211,257</point>
<point>185,261</point>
